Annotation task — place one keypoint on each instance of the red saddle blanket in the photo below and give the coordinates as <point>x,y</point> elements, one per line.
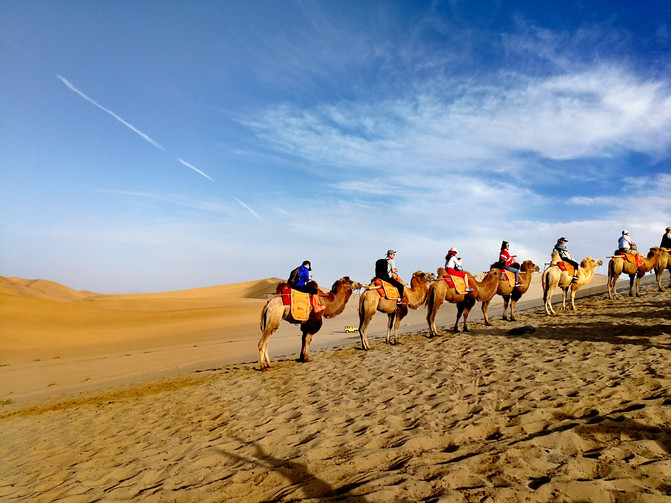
<point>385,289</point>
<point>565,266</point>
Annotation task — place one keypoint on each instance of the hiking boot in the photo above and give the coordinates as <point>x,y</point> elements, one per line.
<point>519,284</point>
<point>469,289</point>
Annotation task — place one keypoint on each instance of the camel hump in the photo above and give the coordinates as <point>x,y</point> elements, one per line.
<point>555,258</point>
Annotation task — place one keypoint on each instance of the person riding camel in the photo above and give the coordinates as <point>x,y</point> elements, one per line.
<point>385,269</point>
<point>625,244</point>
<point>666,240</point>
<point>560,248</point>
<point>300,279</point>
<point>507,260</point>
<point>454,267</point>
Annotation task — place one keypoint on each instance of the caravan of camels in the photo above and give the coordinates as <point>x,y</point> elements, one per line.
<point>302,302</point>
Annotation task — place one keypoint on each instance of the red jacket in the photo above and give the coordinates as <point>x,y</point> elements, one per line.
<point>506,258</point>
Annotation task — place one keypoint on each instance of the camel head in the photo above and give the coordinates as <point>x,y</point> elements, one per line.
<point>345,282</point>
<point>590,263</point>
<point>529,266</point>
<point>424,277</point>
<point>655,250</point>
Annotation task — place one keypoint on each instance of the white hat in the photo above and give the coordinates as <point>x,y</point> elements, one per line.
<point>453,250</point>
<point>625,232</point>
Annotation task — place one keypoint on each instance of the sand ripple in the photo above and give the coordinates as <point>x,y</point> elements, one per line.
<point>580,410</point>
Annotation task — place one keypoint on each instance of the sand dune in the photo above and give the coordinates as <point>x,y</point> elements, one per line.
<point>578,410</point>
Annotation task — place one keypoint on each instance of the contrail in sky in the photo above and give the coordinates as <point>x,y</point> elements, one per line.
<point>194,168</point>
<point>107,110</point>
<point>248,208</point>
<point>146,137</point>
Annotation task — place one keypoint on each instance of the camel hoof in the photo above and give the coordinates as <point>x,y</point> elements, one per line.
<point>466,330</point>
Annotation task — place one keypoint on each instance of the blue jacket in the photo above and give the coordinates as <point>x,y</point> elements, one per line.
<point>303,276</point>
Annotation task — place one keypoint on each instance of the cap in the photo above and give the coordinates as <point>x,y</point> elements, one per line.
<point>389,252</point>
<point>625,232</point>
<point>668,229</point>
<point>563,239</point>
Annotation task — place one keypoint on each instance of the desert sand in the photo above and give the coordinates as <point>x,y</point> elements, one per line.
<point>158,397</point>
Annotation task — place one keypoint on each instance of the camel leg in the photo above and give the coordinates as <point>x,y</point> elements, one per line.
<point>631,285</point>
<point>432,310</point>
<point>309,328</point>
<point>400,314</point>
<point>506,299</point>
<point>270,321</point>
<point>613,276</point>
<point>460,310</point>
<point>638,283</point>
<point>485,305</point>
<point>390,322</point>
<point>564,292</point>
<point>573,292</point>
<point>466,308</point>
<point>364,320</point>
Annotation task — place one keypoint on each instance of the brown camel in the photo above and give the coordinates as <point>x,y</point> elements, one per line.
<point>554,277</point>
<point>664,263</point>
<point>512,294</point>
<point>275,311</point>
<point>618,265</point>
<point>483,291</point>
<point>372,301</point>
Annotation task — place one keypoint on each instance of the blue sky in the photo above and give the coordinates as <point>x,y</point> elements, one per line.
<point>152,146</point>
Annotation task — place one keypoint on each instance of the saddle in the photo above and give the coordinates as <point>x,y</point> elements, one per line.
<point>630,257</point>
<point>385,289</point>
<point>458,283</point>
<point>299,302</point>
<point>505,273</point>
<point>565,266</point>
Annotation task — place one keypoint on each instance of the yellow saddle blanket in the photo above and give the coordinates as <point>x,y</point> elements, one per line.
<point>459,284</point>
<point>386,289</point>
<point>300,305</point>
<point>510,276</point>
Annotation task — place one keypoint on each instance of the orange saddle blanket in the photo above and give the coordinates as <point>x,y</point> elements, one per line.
<point>386,289</point>
<point>634,259</point>
<point>565,266</point>
<point>456,282</point>
<point>510,275</point>
<point>299,302</point>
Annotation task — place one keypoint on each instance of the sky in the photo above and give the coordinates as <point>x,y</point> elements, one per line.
<point>155,146</point>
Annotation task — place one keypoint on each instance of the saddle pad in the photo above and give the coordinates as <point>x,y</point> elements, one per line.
<point>634,259</point>
<point>565,266</point>
<point>388,291</point>
<point>300,305</point>
<point>507,274</point>
<point>459,284</point>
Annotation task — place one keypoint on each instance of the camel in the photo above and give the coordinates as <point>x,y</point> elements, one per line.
<point>618,265</point>
<point>663,263</point>
<point>275,311</point>
<point>512,294</point>
<point>554,277</point>
<point>372,301</point>
<point>483,291</point>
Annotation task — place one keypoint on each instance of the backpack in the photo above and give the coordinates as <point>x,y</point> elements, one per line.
<point>294,275</point>
<point>381,268</point>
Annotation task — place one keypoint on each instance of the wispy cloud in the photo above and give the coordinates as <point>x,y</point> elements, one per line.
<point>248,208</point>
<point>191,166</point>
<point>108,111</point>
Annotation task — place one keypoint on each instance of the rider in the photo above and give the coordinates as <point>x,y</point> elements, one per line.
<point>560,248</point>
<point>454,267</point>
<point>666,239</point>
<point>305,284</point>
<point>508,260</point>
<point>625,244</point>
<point>390,273</point>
